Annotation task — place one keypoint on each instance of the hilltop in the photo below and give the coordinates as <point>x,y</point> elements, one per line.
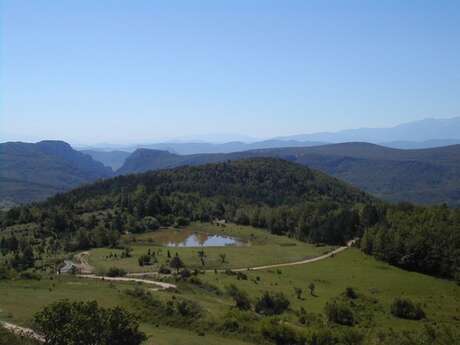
<point>30,172</point>
<point>421,175</point>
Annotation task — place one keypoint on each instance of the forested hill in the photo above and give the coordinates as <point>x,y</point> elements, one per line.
<point>283,197</point>
<point>270,193</point>
<point>421,176</point>
<point>30,172</point>
<point>259,181</point>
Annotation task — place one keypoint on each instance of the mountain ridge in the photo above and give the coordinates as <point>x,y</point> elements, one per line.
<point>423,175</point>
<point>35,171</point>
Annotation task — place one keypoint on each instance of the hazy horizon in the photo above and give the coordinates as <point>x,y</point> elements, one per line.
<point>124,73</point>
<point>223,138</point>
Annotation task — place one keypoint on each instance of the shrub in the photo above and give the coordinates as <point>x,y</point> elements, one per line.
<point>65,322</point>
<point>240,297</point>
<point>241,276</point>
<point>145,260</point>
<point>406,309</point>
<point>182,221</point>
<point>164,270</point>
<point>339,313</point>
<point>351,293</point>
<point>281,334</point>
<point>272,304</point>
<point>151,223</point>
<point>115,272</point>
<point>30,276</point>
<point>185,273</point>
<point>5,272</point>
<point>188,308</point>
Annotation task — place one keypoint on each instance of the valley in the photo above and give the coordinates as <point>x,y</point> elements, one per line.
<point>253,251</point>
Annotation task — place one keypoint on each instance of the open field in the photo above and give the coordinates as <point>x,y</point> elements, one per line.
<point>375,280</point>
<point>440,298</point>
<point>259,248</point>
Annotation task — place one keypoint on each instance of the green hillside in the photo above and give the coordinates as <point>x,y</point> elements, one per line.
<point>428,176</point>
<point>31,172</point>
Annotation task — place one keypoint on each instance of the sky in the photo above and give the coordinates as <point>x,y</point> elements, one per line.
<point>144,71</point>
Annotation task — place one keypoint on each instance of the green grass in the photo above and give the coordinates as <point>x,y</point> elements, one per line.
<point>372,278</point>
<point>174,336</point>
<point>261,248</point>
<point>20,299</point>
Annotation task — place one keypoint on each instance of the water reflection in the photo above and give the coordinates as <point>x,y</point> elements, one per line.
<point>187,239</point>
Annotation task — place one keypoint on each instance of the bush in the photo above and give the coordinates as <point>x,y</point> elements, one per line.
<point>185,273</point>
<point>65,322</point>
<point>406,309</point>
<point>339,313</point>
<point>5,272</point>
<point>115,272</point>
<point>269,304</point>
<point>281,334</point>
<point>182,221</point>
<point>188,308</point>
<point>164,270</point>
<point>145,260</point>
<point>241,276</point>
<point>240,297</point>
<point>150,223</point>
<point>30,276</point>
<point>351,293</point>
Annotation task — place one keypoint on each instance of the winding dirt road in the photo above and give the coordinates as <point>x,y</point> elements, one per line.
<point>161,285</point>
<point>22,331</point>
<point>300,262</point>
<point>85,267</point>
<point>266,267</point>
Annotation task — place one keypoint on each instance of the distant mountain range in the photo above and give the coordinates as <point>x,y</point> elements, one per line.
<point>427,172</point>
<point>414,135</point>
<point>417,131</point>
<point>422,176</point>
<point>30,172</point>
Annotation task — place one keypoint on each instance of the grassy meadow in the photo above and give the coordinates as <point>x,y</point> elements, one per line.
<point>376,283</point>
<point>258,248</point>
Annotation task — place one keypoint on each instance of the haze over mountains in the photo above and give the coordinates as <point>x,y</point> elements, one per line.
<point>35,171</point>
<point>422,176</point>
<point>30,172</point>
<point>418,134</point>
<point>417,131</point>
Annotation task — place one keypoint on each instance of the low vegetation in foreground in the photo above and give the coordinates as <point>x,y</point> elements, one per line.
<point>279,213</point>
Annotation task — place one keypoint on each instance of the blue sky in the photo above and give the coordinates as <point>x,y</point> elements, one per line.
<point>142,71</point>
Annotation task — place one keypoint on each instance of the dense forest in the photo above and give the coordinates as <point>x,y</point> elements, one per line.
<point>282,197</point>
<point>424,239</point>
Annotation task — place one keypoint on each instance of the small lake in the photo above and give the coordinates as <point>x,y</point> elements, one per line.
<point>187,239</point>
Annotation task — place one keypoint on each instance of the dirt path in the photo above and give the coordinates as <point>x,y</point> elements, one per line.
<point>161,285</point>
<point>83,260</point>
<point>22,331</point>
<point>295,263</point>
<point>82,263</point>
<point>266,267</point>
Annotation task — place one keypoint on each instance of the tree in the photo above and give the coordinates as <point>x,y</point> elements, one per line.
<point>312,288</point>
<point>406,309</point>
<point>64,323</point>
<point>339,313</point>
<point>222,256</point>
<point>145,260</point>
<point>272,304</point>
<point>176,263</point>
<point>298,292</point>
<point>202,256</point>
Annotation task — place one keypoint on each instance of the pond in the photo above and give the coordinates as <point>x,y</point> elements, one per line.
<point>187,238</point>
